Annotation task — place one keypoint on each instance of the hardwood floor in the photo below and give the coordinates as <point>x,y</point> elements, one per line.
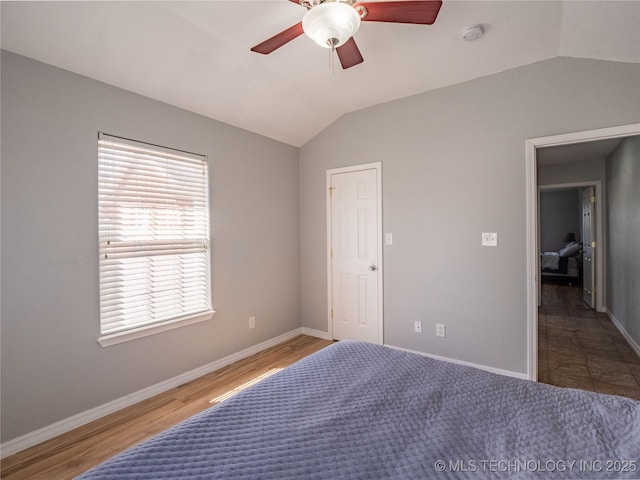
<point>76,451</point>
<point>578,348</point>
<point>581,348</point>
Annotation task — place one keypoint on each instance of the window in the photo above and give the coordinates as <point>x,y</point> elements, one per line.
<point>153,239</point>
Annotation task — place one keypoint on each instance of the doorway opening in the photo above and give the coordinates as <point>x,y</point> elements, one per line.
<point>570,233</point>
<point>532,234</point>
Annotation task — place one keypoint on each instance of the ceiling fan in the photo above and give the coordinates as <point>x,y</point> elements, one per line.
<point>332,23</point>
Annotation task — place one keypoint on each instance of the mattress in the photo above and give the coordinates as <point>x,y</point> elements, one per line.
<point>567,267</point>
<point>359,411</point>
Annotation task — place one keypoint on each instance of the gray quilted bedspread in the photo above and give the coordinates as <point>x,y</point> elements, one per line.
<point>361,411</point>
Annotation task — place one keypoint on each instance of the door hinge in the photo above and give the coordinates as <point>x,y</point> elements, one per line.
<point>593,244</point>
<point>331,189</point>
<point>332,313</point>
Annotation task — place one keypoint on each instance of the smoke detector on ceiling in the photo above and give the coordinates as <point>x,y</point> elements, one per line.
<point>472,33</point>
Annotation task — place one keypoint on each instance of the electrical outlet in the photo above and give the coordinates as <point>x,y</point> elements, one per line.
<point>440,332</point>
<point>417,326</point>
<point>252,322</point>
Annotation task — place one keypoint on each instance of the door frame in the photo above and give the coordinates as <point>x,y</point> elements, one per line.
<point>377,166</point>
<point>599,259</point>
<point>531,145</point>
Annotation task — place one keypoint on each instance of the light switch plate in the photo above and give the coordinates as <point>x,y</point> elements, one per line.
<point>388,238</point>
<point>489,239</point>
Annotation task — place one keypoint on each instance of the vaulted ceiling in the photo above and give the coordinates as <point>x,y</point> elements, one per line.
<point>196,55</point>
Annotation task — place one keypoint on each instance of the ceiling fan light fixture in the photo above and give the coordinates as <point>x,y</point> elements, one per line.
<point>331,24</point>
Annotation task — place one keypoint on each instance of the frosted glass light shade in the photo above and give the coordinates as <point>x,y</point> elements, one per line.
<point>331,24</point>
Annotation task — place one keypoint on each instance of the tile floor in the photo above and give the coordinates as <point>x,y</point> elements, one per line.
<point>581,348</point>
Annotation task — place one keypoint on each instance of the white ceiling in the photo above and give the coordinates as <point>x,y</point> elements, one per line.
<point>196,55</point>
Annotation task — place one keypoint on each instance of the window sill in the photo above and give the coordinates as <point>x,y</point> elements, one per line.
<point>120,337</point>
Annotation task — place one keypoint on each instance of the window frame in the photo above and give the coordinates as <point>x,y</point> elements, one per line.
<point>158,326</point>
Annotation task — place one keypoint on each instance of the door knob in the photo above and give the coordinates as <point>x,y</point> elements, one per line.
<point>373,268</point>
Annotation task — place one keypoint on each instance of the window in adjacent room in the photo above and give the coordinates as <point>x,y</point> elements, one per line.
<point>153,239</point>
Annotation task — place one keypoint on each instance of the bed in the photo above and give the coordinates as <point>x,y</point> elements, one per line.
<point>563,264</point>
<point>359,411</point>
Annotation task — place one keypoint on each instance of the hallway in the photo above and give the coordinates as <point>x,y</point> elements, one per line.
<point>581,348</point>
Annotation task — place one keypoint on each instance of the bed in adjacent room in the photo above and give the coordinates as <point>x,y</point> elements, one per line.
<point>359,411</point>
<point>563,264</point>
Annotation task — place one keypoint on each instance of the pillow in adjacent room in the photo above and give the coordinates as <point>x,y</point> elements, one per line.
<point>570,249</point>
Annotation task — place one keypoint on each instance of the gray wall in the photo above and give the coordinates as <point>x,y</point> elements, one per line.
<point>453,167</point>
<point>623,232</point>
<point>52,366</point>
<point>572,172</point>
<point>560,213</point>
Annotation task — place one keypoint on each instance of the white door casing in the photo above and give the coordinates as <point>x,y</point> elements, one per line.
<point>589,245</point>
<point>355,253</point>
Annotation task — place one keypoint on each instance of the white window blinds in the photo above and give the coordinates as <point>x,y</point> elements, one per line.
<point>153,234</point>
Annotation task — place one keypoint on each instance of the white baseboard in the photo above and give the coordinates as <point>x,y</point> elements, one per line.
<point>499,371</point>
<point>47,433</point>
<point>632,343</point>
<point>315,333</point>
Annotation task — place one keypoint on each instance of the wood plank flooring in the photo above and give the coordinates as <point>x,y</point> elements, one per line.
<point>581,348</point>
<point>74,452</point>
<point>578,348</point>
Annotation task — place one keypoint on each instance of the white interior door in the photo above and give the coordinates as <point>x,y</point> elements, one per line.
<point>589,245</point>
<point>355,255</point>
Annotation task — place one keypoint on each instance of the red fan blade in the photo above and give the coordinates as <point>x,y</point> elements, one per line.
<point>279,39</point>
<point>419,12</point>
<point>297,2</point>
<point>349,54</point>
